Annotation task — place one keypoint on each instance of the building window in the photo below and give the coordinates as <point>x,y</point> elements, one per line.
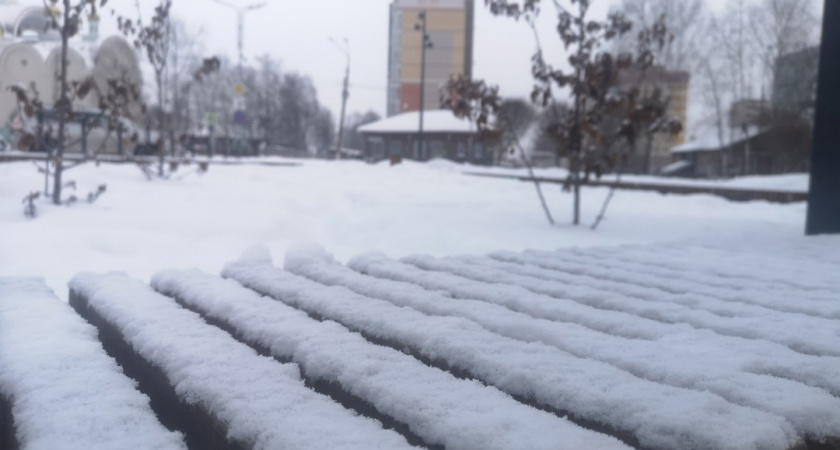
<point>395,148</point>
<point>376,148</point>
<point>462,150</point>
<point>437,150</point>
<point>478,150</point>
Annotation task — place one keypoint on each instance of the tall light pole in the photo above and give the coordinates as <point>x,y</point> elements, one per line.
<point>344,95</point>
<point>425,43</point>
<point>240,17</point>
<point>239,116</point>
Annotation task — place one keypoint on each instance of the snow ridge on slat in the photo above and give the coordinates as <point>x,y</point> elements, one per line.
<point>737,297</point>
<point>263,403</point>
<point>66,392</point>
<point>679,362</point>
<point>658,416</point>
<point>802,333</point>
<point>441,409</point>
<point>801,275</point>
<point>770,358</point>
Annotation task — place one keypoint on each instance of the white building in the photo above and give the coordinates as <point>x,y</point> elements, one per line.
<point>30,56</point>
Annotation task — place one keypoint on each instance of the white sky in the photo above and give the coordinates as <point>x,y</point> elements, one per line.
<point>297,33</point>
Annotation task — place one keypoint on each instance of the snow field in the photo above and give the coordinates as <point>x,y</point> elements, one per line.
<point>262,403</point>
<point>439,408</point>
<point>657,416</point>
<point>683,285</point>
<point>814,412</point>
<point>807,334</point>
<point>66,392</point>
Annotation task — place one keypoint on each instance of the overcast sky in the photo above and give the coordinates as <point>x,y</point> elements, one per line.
<point>297,33</point>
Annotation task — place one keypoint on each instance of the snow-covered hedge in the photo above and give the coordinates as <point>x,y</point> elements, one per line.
<point>262,403</point>
<point>65,392</point>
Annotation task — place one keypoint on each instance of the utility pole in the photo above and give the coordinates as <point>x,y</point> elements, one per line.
<point>425,43</point>
<point>344,95</point>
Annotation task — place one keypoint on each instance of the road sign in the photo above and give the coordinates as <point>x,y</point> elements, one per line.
<point>239,88</point>
<point>239,117</point>
<point>211,119</point>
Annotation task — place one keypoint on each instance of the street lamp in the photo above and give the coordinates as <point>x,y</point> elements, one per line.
<point>344,95</point>
<point>239,116</point>
<point>240,16</point>
<point>425,43</point>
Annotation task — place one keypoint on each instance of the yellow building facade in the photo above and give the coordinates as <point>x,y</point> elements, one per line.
<point>449,25</point>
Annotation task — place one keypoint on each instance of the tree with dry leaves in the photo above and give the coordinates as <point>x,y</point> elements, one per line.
<point>592,83</point>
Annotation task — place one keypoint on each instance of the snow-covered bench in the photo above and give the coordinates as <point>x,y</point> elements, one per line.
<point>563,350</point>
<point>59,388</point>
<point>219,391</point>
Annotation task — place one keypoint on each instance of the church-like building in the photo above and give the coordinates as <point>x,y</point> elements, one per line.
<point>30,53</point>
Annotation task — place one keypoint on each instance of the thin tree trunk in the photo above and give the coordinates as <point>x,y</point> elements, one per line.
<point>161,119</point>
<point>530,166</point>
<point>63,105</point>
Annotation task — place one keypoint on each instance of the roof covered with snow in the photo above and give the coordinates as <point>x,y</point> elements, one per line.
<point>711,141</point>
<point>437,121</point>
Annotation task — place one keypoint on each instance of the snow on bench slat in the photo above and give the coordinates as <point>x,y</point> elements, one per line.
<point>441,409</point>
<point>806,334</point>
<point>753,278</point>
<point>66,392</point>
<point>658,416</point>
<point>681,286</point>
<point>803,275</point>
<point>814,412</point>
<point>260,400</point>
<point>819,371</point>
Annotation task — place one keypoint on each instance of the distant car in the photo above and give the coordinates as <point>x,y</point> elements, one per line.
<point>145,150</point>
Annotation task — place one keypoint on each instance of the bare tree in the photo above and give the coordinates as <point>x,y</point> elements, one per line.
<point>155,40</point>
<point>779,27</point>
<point>686,19</point>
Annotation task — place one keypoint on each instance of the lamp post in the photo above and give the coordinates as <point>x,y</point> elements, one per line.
<point>240,17</point>
<point>239,116</point>
<point>345,94</point>
<point>425,43</point>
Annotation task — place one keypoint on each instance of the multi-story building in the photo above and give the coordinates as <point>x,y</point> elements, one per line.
<point>449,25</point>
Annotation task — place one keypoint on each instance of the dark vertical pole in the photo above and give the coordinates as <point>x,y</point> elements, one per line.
<point>120,147</point>
<point>824,196</point>
<point>423,43</point>
<point>85,136</point>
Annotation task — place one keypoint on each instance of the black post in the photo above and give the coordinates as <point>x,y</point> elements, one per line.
<point>824,195</point>
<point>424,44</point>
<point>85,136</point>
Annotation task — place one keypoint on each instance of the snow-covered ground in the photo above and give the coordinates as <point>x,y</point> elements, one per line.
<point>349,207</point>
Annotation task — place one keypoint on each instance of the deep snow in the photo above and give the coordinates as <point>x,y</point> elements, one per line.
<point>349,207</point>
